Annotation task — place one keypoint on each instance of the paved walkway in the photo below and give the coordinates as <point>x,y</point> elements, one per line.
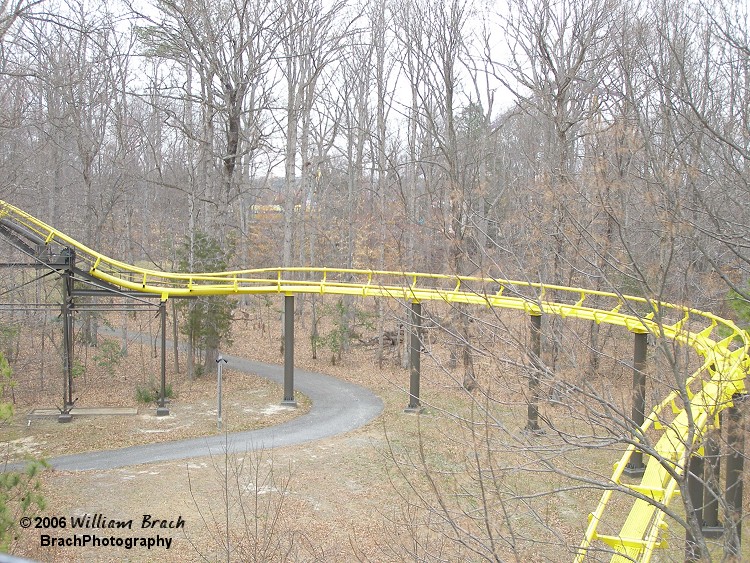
<point>337,407</point>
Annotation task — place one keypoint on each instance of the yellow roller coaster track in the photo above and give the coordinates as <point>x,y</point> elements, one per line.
<point>677,424</point>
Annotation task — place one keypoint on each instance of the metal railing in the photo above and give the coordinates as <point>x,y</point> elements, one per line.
<point>720,377</point>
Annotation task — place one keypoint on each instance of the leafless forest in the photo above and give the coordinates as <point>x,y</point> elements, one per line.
<point>603,144</point>
<point>598,143</point>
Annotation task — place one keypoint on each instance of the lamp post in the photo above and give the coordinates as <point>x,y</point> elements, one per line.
<point>219,362</point>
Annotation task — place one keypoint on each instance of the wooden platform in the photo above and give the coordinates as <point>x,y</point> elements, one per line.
<point>85,411</point>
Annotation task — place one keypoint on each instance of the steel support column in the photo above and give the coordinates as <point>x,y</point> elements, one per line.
<point>695,491</point>
<point>636,467</point>
<point>735,465</point>
<point>289,352</point>
<point>415,347</point>
<point>532,423</point>
<point>67,320</point>
<point>162,409</point>
<point>712,528</point>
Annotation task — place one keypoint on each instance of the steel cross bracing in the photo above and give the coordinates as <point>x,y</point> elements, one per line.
<point>679,426</point>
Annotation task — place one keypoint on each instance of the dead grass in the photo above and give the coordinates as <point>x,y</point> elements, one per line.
<point>379,493</point>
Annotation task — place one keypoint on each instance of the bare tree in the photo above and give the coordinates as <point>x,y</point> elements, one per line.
<point>309,36</point>
<point>11,11</point>
<point>623,135</point>
<point>231,56</point>
<point>436,36</point>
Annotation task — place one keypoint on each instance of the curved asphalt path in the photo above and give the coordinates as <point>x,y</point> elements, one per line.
<point>337,407</point>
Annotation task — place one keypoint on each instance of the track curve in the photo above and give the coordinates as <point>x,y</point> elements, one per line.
<point>678,423</point>
<point>337,407</point>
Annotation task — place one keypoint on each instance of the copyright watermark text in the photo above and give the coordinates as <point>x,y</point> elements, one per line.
<point>99,530</point>
<point>93,540</point>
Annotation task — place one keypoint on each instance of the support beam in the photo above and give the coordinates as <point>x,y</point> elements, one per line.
<point>67,319</point>
<point>735,465</point>
<point>712,528</point>
<point>415,348</point>
<point>695,491</point>
<point>532,423</point>
<point>162,409</point>
<point>289,352</point>
<point>636,467</point>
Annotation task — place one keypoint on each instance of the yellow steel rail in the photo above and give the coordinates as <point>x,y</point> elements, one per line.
<point>721,376</point>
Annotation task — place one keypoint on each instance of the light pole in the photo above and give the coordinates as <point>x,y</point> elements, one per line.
<point>219,361</point>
